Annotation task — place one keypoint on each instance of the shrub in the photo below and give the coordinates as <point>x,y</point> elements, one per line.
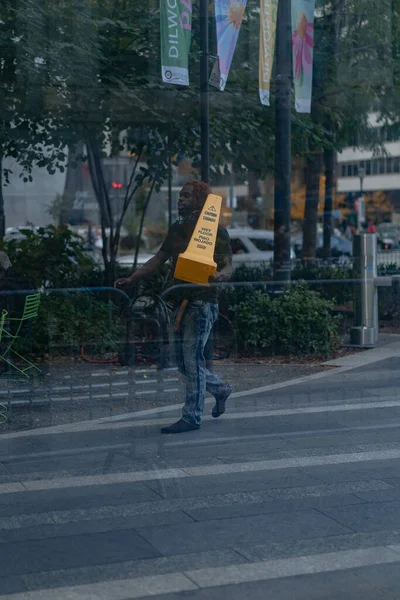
<point>254,321</point>
<point>66,322</point>
<point>304,323</point>
<point>299,321</point>
<point>336,291</point>
<point>51,257</point>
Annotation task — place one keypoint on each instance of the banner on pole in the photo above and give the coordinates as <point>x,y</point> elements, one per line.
<point>303,52</point>
<point>176,35</point>
<point>268,19</point>
<point>228,16</point>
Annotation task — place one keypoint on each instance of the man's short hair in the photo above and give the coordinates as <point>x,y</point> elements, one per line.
<point>200,192</point>
<point>5,262</point>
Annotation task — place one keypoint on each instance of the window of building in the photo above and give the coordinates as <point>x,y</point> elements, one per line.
<point>368,167</point>
<point>375,167</point>
<point>396,165</point>
<point>381,166</point>
<point>389,164</point>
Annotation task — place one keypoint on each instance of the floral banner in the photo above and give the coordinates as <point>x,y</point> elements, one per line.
<point>228,16</point>
<point>176,35</point>
<point>268,19</point>
<point>303,51</point>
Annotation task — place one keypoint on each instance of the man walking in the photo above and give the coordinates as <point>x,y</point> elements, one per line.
<point>200,313</point>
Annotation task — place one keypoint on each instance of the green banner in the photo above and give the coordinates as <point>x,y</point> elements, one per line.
<point>176,34</point>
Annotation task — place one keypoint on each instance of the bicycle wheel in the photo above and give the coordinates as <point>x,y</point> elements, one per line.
<point>94,351</point>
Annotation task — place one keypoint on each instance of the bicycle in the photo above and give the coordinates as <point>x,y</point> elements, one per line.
<point>148,335</point>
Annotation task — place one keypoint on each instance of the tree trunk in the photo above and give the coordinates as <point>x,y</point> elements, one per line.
<point>283,153</point>
<point>96,178</point>
<point>313,173</point>
<point>2,216</point>
<point>145,207</point>
<point>329,160</point>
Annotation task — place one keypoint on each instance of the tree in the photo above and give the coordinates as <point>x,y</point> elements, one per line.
<point>350,77</point>
<point>26,135</point>
<point>98,84</point>
<point>89,76</point>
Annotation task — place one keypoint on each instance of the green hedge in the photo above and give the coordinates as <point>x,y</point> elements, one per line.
<point>66,322</point>
<point>298,321</point>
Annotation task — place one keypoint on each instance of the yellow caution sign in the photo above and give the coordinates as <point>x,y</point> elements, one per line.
<point>196,264</point>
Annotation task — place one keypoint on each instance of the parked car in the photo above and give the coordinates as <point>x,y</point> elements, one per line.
<point>252,247</point>
<point>340,246</point>
<point>388,236</point>
<point>127,260</point>
<point>16,233</point>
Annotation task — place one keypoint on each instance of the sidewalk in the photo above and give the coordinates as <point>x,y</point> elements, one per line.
<point>71,393</point>
<point>80,391</point>
<point>294,493</point>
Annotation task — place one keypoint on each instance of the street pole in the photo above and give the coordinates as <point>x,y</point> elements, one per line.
<point>204,93</point>
<point>283,153</point>
<point>360,204</point>
<point>205,130</point>
<point>169,184</point>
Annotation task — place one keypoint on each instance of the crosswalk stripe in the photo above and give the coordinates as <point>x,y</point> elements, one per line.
<point>105,424</point>
<point>115,511</point>
<point>289,567</point>
<point>210,470</point>
<point>256,414</point>
<point>125,589</point>
<point>141,587</point>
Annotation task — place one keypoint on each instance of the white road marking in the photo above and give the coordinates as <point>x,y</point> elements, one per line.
<point>209,470</point>
<point>290,567</point>
<point>122,589</point>
<point>177,582</point>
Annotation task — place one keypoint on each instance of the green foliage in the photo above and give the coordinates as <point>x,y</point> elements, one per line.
<point>51,257</point>
<point>244,273</point>
<point>340,292</point>
<point>334,288</point>
<point>66,322</point>
<point>254,322</point>
<point>299,321</point>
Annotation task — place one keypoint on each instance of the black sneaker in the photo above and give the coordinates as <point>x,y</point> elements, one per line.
<point>219,407</point>
<point>180,427</point>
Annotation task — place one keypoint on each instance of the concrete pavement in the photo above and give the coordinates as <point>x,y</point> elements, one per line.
<point>73,392</point>
<point>293,494</point>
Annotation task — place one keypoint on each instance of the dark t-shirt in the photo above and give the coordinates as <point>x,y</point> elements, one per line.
<point>177,241</point>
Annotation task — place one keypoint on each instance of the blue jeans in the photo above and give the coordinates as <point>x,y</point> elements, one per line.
<point>197,322</point>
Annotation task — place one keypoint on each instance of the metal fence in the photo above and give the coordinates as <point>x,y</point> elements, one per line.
<point>102,381</point>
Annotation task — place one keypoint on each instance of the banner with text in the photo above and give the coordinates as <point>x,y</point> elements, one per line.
<point>176,35</point>
<point>268,19</point>
<point>303,52</point>
<point>228,16</point>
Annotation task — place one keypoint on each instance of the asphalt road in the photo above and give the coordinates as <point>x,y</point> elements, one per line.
<point>294,494</point>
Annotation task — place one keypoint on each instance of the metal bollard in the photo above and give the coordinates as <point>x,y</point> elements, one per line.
<point>365,331</point>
